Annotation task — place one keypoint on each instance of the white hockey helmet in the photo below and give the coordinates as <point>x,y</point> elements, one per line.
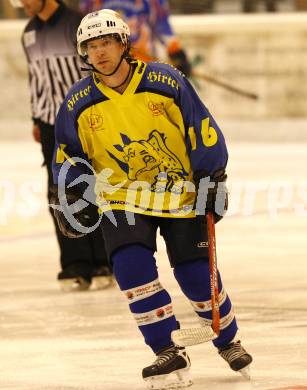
<point>16,3</point>
<point>99,23</point>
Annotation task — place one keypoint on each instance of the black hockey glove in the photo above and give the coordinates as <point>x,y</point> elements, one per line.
<point>81,217</point>
<point>180,60</point>
<point>211,194</point>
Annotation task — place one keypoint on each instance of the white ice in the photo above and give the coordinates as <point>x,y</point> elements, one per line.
<point>89,341</point>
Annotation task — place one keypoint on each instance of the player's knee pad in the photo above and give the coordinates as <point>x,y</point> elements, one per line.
<point>134,265</point>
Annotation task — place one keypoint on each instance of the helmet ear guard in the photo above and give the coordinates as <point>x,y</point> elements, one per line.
<point>98,24</point>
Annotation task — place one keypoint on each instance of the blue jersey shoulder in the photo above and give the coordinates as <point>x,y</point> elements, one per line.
<point>163,78</point>
<point>79,95</point>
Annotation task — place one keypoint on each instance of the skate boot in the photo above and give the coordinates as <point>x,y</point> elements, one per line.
<point>237,358</point>
<point>75,277</point>
<point>169,371</point>
<point>102,278</point>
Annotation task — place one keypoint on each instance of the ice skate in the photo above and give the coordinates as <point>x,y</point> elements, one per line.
<point>74,284</point>
<point>237,358</point>
<point>102,278</point>
<point>75,277</point>
<point>169,371</point>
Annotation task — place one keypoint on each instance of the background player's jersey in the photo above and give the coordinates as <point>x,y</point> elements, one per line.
<point>144,144</point>
<point>148,23</point>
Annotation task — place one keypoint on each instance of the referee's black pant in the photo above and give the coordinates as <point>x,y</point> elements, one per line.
<point>87,251</point>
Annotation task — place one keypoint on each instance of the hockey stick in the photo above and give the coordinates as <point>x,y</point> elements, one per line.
<point>227,86</point>
<point>213,274</point>
<point>193,336</point>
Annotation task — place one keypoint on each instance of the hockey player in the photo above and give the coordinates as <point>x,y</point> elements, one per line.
<point>151,141</point>
<point>150,29</point>
<point>49,44</point>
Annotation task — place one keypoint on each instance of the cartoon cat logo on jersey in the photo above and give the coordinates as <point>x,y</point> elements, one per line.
<point>139,158</point>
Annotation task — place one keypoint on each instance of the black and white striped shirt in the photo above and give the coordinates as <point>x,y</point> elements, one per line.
<point>53,62</point>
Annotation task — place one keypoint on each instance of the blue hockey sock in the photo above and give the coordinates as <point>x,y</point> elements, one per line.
<point>136,272</point>
<point>194,280</point>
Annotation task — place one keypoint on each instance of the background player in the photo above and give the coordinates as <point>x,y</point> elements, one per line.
<point>151,34</point>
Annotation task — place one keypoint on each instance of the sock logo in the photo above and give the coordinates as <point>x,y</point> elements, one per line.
<point>144,291</point>
<point>156,315</point>
<point>160,313</point>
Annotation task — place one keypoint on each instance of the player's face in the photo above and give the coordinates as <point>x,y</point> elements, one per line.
<point>104,53</point>
<point>32,7</point>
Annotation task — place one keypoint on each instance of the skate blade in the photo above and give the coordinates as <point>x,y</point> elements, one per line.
<point>176,380</point>
<point>102,282</point>
<point>74,284</point>
<point>245,372</point>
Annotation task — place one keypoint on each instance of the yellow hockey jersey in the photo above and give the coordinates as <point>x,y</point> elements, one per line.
<point>143,145</point>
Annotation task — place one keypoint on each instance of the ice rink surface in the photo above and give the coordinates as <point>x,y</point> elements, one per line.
<point>89,341</point>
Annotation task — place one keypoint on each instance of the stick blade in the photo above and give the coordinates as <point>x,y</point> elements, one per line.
<point>193,336</point>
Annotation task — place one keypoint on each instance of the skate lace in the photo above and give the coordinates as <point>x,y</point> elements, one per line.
<point>165,357</point>
<point>233,353</point>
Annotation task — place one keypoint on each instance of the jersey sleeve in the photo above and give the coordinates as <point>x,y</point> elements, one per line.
<point>205,141</point>
<point>68,149</point>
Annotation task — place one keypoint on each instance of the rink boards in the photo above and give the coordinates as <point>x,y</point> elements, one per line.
<point>260,53</point>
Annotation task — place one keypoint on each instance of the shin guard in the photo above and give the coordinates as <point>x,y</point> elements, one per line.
<point>136,272</point>
<point>194,280</point>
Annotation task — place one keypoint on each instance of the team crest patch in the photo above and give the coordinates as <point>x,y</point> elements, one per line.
<point>95,122</point>
<point>156,108</point>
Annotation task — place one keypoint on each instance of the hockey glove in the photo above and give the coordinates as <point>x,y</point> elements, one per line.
<point>211,194</point>
<point>81,217</point>
<point>180,60</point>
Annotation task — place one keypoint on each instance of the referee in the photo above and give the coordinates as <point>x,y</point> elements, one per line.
<point>49,42</point>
